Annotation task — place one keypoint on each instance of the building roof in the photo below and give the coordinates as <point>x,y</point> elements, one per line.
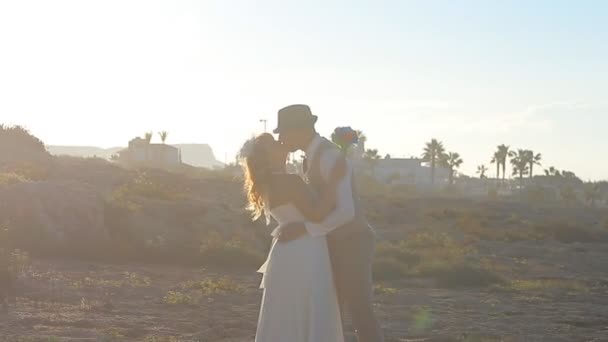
<point>162,146</point>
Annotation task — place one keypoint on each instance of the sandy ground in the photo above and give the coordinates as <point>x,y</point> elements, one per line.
<point>60,300</point>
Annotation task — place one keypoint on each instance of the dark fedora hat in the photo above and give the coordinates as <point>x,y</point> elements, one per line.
<point>295,116</point>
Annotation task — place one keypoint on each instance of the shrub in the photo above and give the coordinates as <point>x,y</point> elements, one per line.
<point>146,185</point>
<point>568,195</point>
<point>9,178</point>
<point>27,170</point>
<point>18,144</point>
<point>388,269</point>
<point>547,285</point>
<point>384,290</point>
<point>569,233</point>
<point>217,251</point>
<point>492,192</point>
<point>428,240</point>
<point>211,286</point>
<point>178,298</point>
<point>397,252</point>
<point>537,194</point>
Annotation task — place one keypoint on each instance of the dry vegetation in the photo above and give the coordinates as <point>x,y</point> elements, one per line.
<point>173,258</point>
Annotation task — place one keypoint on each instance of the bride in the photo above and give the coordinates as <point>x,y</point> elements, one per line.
<point>299,303</point>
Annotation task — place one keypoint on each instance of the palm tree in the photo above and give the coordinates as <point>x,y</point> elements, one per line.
<point>552,172</point>
<point>452,161</point>
<point>371,156</point>
<point>569,174</point>
<point>163,136</point>
<point>433,153</point>
<point>148,137</point>
<point>362,138</point>
<point>520,162</point>
<point>496,160</point>
<point>481,171</point>
<point>533,159</point>
<point>503,153</point>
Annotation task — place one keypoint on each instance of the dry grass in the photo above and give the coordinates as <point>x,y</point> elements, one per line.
<point>132,280</point>
<point>435,256</point>
<point>534,285</point>
<point>570,233</point>
<point>477,228</point>
<point>461,275</point>
<point>193,292</point>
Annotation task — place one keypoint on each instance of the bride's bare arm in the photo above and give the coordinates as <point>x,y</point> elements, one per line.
<point>314,208</point>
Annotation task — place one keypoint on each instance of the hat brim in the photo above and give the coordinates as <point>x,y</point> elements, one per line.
<point>313,120</point>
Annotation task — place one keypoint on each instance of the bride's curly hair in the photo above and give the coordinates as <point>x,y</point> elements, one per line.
<point>257,172</point>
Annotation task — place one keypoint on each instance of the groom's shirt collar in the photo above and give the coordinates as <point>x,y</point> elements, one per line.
<point>313,147</point>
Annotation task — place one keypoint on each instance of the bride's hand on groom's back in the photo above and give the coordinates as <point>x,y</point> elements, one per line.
<point>291,231</point>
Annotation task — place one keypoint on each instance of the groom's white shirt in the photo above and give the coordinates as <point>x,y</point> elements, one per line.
<point>345,206</point>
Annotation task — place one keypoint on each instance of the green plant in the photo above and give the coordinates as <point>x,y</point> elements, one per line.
<point>383,290</point>
<point>178,298</point>
<point>212,286</point>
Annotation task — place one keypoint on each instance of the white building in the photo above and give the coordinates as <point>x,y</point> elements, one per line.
<point>408,171</point>
<point>142,153</point>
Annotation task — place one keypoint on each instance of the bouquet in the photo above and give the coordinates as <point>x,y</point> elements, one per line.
<point>345,137</point>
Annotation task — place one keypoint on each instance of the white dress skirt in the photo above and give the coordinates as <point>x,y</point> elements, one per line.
<point>299,303</point>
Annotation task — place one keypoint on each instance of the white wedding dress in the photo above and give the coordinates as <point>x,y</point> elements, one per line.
<point>299,302</point>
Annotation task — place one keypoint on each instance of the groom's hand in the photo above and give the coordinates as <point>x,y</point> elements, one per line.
<point>292,231</point>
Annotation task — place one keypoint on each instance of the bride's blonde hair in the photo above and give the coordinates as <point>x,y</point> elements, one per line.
<point>257,172</point>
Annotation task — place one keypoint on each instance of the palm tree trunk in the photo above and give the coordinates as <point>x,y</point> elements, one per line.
<point>531,170</point>
<point>497,170</point>
<point>432,171</point>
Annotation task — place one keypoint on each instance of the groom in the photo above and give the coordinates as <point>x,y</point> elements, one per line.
<point>349,236</point>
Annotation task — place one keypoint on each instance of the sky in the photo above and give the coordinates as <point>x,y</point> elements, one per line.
<point>473,74</point>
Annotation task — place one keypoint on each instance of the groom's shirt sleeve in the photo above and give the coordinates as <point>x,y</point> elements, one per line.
<point>345,206</point>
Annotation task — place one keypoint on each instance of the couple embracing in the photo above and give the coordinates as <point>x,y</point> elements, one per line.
<point>319,266</point>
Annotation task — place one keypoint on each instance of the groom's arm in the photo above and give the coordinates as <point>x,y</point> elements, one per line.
<point>345,208</point>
